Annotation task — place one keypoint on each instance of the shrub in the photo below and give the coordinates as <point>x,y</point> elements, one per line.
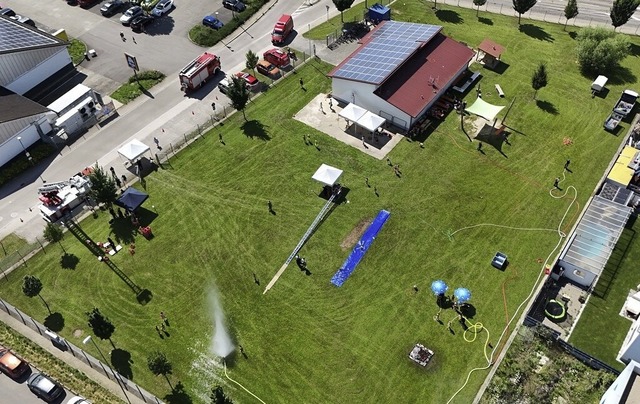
<point>600,50</point>
<point>147,75</point>
<point>16,166</point>
<point>207,37</point>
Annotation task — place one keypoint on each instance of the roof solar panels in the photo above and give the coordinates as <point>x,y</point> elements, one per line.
<point>390,45</point>
<point>16,35</point>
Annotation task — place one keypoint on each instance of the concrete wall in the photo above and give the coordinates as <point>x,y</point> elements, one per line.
<point>362,93</point>
<point>28,136</point>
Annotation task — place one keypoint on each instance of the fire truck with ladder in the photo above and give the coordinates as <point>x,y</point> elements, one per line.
<point>198,71</point>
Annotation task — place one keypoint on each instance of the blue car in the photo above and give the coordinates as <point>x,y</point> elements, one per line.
<point>212,22</point>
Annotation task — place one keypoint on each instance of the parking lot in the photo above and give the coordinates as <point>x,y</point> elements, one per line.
<point>167,35</point>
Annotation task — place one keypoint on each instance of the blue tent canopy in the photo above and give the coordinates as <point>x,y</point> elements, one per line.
<point>378,12</point>
<point>131,199</point>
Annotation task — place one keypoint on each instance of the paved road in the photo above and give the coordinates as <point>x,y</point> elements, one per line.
<point>14,392</point>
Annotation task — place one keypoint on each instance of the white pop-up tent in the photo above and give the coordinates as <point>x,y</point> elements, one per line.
<point>362,117</point>
<point>133,150</point>
<point>484,109</point>
<point>327,175</point>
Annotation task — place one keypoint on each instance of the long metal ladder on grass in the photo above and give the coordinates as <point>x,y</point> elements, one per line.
<point>303,240</point>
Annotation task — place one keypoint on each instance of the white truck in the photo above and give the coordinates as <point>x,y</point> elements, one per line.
<point>59,198</point>
<point>198,71</point>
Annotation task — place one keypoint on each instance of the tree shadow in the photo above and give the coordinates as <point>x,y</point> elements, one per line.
<point>161,26</point>
<point>121,362</point>
<point>634,50</point>
<point>69,261</point>
<point>449,16</point>
<point>178,395</point>
<point>123,230</point>
<point>485,21</point>
<point>621,75</point>
<point>54,322</point>
<point>547,107</point>
<point>255,129</point>
<point>536,32</point>
<point>573,35</point>
<point>144,297</point>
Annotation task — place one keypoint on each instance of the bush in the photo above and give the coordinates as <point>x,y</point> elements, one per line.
<point>137,85</point>
<point>147,75</point>
<point>207,37</point>
<point>77,48</point>
<point>16,166</point>
<point>600,50</point>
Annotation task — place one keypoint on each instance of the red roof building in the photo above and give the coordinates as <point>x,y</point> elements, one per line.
<point>400,70</point>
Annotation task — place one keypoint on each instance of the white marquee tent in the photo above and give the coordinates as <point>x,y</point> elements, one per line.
<point>327,175</point>
<point>484,109</point>
<point>133,150</point>
<point>362,117</point>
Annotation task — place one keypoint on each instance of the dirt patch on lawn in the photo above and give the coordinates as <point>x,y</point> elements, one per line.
<point>77,333</point>
<point>353,237</point>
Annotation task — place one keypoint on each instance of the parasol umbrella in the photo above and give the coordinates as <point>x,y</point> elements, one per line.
<point>439,287</point>
<point>462,295</point>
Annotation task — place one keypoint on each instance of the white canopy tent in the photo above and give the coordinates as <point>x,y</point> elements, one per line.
<point>133,150</point>
<point>362,117</point>
<point>327,175</point>
<point>484,109</point>
<point>371,121</point>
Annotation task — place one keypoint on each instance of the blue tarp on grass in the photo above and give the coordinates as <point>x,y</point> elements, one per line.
<point>360,249</point>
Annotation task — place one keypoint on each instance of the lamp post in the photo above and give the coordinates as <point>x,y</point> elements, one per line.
<point>85,341</point>
<point>327,13</point>
<point>26,153</point>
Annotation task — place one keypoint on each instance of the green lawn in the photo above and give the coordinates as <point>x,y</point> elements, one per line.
<point>306,340</point>
<point>601,330</point>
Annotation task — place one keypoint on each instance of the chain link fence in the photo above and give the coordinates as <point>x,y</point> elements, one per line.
<point>78,353</point>
<point>18,256</point>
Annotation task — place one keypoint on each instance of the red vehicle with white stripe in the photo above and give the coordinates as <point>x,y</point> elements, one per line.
<point>196,73</point>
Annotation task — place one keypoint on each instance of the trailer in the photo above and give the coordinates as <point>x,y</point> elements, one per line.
<point>624,106</point>
<point>198,71</point>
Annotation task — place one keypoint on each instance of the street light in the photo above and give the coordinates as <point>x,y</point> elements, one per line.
<point>26,153</point>
<point>85,341</point>
<point>327,13</point>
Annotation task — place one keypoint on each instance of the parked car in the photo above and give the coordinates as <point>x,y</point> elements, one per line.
<point>268,69</point>
<point>12,365</point>
<point>212,22</point>
<point>130,14</point>
<point>45,387</point>
<point>8,12</point>
<point>223,85</point>
<point>112,7</point>
<point>78,400</point>
<point>141,21</point>
<point>252,82</point>
<point>162,8</point>
<point>24,20</point>
<point>235,5</point>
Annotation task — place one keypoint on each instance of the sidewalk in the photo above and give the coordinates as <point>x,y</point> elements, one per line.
<point>67,357</point>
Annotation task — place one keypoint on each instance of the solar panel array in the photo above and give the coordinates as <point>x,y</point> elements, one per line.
<point>390,45</point>
<point>17,36</point>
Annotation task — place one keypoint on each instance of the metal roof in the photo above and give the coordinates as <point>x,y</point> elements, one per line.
<point>387,47</point>
<point>17,36</point>
<point>596,235</point>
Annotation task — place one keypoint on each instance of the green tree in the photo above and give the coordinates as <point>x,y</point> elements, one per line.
<point>599,50</point>
<point>570,11</point>
<point>218,396</point>
<point>522,6</point>
<point>252,61</point>
<point>101,325</point>
<point>159,365</point>
<point>539,79</point>
<point>342,5</point>
<point>54,234</point>
<point>238,93</point>
<point>103,187</point>
<point>621,11</point>
<point>478,4</point>
<point>31,287</point>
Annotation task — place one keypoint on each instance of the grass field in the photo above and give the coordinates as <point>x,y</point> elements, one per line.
<point>601,330</point>
<point>306,340</point>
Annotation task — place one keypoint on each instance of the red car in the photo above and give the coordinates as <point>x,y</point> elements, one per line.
<point>252,82</point>
<point>13,366</point>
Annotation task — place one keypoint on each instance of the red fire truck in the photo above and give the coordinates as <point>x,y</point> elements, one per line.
<point>278,57</point>
<point>196,73</point>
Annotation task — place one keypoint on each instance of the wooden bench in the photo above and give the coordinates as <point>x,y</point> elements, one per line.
<point>499,90</point>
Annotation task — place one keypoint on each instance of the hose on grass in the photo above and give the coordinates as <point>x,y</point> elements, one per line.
<point>243,388</point>
<point>561,237</point>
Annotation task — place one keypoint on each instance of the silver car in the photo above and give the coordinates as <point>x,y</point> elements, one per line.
<point>162,8</point>
<point>130,14</point>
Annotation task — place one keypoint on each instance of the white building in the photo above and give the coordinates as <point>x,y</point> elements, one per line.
<point>626,388</point>
<point>32,62</point>
<point>400,70</point>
